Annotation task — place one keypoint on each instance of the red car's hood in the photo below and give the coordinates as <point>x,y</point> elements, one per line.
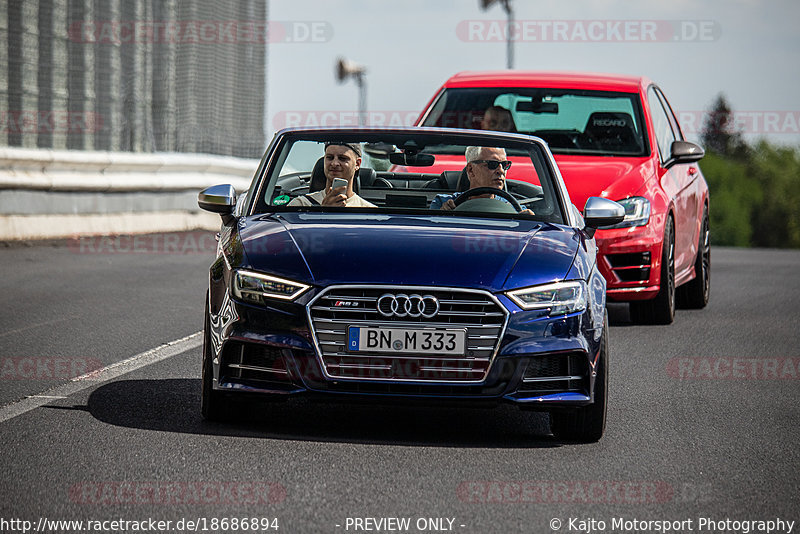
<point>610,177</point>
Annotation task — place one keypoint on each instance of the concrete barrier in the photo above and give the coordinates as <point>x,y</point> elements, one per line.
<point>63,193</point>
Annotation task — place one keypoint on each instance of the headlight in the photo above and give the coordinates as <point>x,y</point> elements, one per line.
<point>637,212</point>
<point>255,287</point>
<point>560,298</point>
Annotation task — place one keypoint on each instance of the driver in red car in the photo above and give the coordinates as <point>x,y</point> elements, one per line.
<point>486,167</point>
<point>498,118</point>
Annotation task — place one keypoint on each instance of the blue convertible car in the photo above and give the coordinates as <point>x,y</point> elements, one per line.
<point>364,263</point>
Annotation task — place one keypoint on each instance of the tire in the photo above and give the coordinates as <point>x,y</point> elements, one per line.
<point>212,403</point>
<point>661,309</point>
<point>587,423</point>
<point>694,294</point>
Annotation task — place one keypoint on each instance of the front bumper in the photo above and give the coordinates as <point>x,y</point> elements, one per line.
<point>630,261</point>
<point>539,363</point>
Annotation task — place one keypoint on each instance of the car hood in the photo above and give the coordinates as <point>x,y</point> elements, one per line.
<point>609,177</point>
<point>325,248</point>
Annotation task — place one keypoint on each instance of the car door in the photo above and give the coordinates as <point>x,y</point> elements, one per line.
<point>687,175</point>
<point>671,179</point>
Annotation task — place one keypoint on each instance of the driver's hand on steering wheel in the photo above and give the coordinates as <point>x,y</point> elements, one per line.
<point>449,205</point>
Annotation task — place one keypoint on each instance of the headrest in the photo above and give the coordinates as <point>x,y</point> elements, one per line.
<point>318,179</point>
<point>608,121</point>
<point>463,181</point>
<point>613,130</point>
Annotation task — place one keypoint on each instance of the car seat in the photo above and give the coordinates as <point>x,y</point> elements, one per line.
<point>612,131</point>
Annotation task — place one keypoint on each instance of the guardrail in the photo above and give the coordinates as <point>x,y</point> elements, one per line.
<point>62,193</point>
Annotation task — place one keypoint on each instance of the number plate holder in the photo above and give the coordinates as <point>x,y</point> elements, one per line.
<point>427,341</point>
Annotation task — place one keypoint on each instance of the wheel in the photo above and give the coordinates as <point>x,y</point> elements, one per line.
<point>212,403</point>
<point>587,423</point>
<point>695,293</point>
<point>661,309</point>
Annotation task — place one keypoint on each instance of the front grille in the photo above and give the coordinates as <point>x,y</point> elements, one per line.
<point>551,373</point>
<point>338,308</point>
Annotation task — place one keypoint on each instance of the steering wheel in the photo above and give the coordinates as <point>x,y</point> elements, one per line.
<point>466,195</point>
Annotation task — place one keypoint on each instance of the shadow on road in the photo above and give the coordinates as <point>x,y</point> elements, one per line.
<point>173,405</point>
<point>618,314</point>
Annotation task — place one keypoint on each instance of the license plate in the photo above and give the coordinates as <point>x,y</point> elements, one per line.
<point>401,340</point>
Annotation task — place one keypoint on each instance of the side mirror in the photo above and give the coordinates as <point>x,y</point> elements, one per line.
<point>218,199</point>
<point>600,212</point>
<point>684,152</point>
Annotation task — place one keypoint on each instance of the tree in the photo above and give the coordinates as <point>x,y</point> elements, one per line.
<point>776,171</point>
<point>719,133</point>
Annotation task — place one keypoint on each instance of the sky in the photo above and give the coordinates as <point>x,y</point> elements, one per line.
<point>749,50</point>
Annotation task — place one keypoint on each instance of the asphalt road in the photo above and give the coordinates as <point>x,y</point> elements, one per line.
<point>703,418</point>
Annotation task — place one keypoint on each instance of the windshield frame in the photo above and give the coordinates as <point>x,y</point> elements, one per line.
<point>277,152</point>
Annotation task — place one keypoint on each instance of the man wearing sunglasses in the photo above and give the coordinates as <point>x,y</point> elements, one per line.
<point>486,167</point>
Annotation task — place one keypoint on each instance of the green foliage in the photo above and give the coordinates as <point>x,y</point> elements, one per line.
<point>776,222</point>
<point>734,197</point>
<point>755,202</point>
<point>754,189</point>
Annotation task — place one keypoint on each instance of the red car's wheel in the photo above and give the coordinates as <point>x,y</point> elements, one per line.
<point>695,293</point>
<point>660,310</point>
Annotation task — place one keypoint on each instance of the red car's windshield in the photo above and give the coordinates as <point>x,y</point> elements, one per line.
<point>571,121</point>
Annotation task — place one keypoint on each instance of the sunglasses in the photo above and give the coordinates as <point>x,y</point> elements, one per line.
<point>493,164</point>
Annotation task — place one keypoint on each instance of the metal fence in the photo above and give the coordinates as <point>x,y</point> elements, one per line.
<point>134,75</point>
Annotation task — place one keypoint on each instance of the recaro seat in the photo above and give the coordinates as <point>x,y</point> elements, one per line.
<point>613,131</point>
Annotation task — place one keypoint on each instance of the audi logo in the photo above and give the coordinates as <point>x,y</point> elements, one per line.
<point>408,305</point>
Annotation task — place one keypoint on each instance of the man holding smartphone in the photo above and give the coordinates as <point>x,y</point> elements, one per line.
<point>341,163</point>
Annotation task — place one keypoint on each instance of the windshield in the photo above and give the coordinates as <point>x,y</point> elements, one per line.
<point>571,121</point>
<point>405,173</point>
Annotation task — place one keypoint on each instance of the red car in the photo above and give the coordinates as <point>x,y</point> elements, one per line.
<point>615,137</point>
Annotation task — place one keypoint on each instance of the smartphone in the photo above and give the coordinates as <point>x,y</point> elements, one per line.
<point>338,182</point>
